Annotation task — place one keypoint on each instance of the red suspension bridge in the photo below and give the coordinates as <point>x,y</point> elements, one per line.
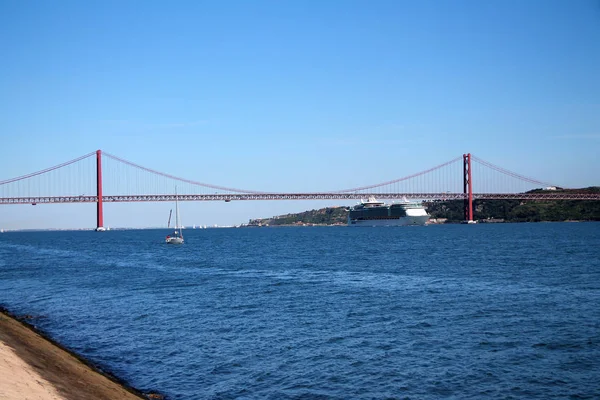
<point>113,179</point>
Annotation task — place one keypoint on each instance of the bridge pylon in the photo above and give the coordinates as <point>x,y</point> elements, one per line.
<point>99,211</point>
<point>468,188</point>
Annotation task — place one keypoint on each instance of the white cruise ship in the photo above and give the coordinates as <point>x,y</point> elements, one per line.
<point>377,213</point>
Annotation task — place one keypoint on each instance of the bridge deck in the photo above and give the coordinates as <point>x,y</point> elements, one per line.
<point>298,196</point>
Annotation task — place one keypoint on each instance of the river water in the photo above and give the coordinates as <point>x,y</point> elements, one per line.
<point>494,311</point>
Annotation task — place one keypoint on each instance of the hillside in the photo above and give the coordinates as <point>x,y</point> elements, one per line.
<point>518,210</point>
<point>452,212</point>
<point>323,216</point>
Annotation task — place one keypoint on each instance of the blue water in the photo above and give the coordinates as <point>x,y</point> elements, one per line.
<point>494,311</point>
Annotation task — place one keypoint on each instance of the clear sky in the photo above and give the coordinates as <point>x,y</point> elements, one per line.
<point>295,95</point>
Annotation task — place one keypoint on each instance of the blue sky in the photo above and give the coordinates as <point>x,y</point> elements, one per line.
<point>295,95</point>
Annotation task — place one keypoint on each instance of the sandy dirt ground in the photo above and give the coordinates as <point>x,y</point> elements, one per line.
<point>35,368</point>
<point>19,381</point>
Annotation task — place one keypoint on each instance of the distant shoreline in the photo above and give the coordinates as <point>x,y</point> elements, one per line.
<point>307,225</point>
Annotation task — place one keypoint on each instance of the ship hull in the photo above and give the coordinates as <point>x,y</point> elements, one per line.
<point>403,221</point>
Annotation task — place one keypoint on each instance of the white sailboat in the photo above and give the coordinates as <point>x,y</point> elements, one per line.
<point>177,236</point>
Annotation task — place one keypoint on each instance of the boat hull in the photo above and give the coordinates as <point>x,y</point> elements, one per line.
<point>174,240</point>
<point>404,221</point>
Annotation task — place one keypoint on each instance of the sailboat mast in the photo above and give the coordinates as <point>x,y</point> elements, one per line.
<point>176,210</point>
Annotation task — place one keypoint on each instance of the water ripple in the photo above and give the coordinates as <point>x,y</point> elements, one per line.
<point>473,312</point>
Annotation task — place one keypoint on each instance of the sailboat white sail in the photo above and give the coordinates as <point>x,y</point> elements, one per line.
<point>177,236</point>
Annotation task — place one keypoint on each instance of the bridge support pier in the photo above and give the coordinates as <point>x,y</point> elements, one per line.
<point>468,189</point>
<point>99,212</point>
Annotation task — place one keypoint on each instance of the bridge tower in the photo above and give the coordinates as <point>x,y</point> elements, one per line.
<point>99,213</point>
<point>468,188</point>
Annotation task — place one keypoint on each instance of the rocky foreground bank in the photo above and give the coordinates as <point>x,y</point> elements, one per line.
<point>35,367</point>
